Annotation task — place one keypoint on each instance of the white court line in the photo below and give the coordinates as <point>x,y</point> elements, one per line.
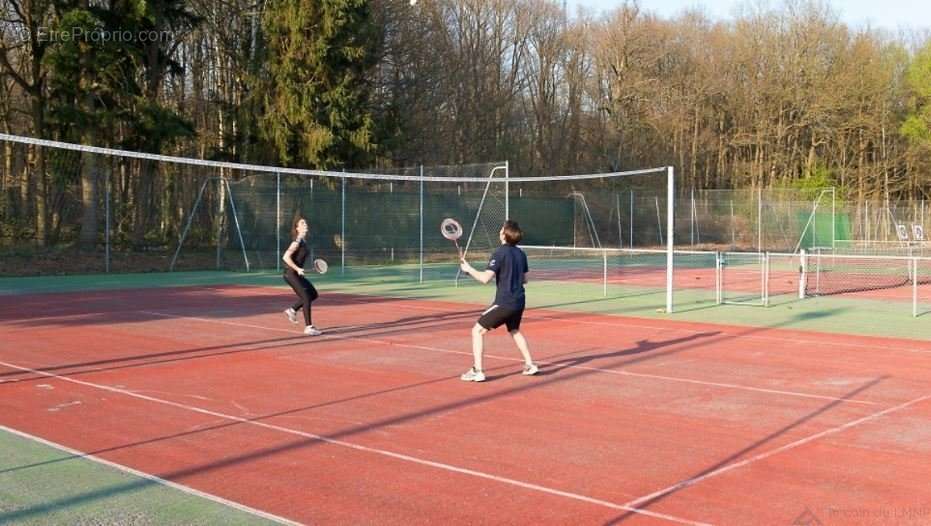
<point>359,447</point>
<point>530,315</point>
<point>341,337</point>
<point>695,480</point>
<point>174,485</point>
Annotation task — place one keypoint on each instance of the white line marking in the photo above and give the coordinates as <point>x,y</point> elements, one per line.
<point>879,346</point>
<point>710,326</point>
<point>695,480</point>
<point>153,478</point>
<point>59,407</point>
<point>337,337</point>
<point>358,447</point>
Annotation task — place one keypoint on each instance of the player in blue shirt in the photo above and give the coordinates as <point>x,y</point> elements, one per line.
<point>508,266</point>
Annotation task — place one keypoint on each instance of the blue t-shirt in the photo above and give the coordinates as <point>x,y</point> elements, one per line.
<point>509,264</point>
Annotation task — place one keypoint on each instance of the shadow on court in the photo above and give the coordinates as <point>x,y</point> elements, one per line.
<point>314,440</point>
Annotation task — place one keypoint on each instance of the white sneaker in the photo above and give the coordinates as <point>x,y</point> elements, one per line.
<point>291,314</point>
<point>310,330</point>
<point>473,375</point>
<point>530,370</point>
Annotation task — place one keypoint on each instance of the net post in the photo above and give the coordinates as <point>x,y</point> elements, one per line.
<point>670,245</point>
<point>242,245</point>
<point>766,260</point>
<point>914,269</point>
<point>604,272</point>
<point>278,221</point>
<point>421,224</point>
<point>718,279</point>
<point>803,273</point>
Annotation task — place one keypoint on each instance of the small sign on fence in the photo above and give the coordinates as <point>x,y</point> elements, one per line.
<point>902,231</point>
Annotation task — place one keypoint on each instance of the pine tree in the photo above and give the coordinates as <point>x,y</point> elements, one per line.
<point>316,87</point>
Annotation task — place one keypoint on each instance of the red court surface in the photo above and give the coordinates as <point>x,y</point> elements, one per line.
<point>631,421</point>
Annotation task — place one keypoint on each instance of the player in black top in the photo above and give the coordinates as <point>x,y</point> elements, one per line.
<point>508,265</point>
<point>294,259</point>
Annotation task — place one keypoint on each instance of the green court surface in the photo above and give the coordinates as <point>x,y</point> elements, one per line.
<point>843,314</point>
<point>40,485</point>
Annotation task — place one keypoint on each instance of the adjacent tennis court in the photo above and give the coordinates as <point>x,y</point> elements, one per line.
<point>190,398</point>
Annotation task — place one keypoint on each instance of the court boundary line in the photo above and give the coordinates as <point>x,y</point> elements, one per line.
<point>80,455</point>
<point>325,337</point>
<point>530,315</point>
<point>728,329</point>
<point>366,449</point>
<point>693,381</point>
<point>766,454</point>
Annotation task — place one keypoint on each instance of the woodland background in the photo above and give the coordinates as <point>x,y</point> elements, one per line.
<point>777,97</point>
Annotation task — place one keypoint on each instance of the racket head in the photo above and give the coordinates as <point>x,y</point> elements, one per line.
<point>451,229</point>
<point>321,266</point>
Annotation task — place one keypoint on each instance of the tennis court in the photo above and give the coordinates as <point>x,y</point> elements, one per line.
<point>188,397</point>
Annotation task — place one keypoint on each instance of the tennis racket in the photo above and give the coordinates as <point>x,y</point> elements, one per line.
<point>452,230</point>
<point>320,266</point>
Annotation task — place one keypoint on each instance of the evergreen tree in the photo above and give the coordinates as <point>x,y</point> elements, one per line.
<point>316,107</point>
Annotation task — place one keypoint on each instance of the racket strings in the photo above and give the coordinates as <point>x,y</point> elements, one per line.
<point>451,229</point>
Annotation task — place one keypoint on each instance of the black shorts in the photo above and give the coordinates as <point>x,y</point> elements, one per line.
<point>496,316</point>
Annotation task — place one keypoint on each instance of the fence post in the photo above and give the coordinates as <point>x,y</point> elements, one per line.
<point>733,227</point>
<point>766,260</point>
<point>803,273</point>
<point>107,229</point>
<point>421,223</point>
<point>833,217</point>
<point>914,287</point>
<point>604,259</point>
<point>620,233</point>
<point>759,215</point>
<point>221,218</point>
<point>278,221</point>
<point>342,229</point>
<point>670,225</point>
<point>692,219</point>
<point>507,190</point>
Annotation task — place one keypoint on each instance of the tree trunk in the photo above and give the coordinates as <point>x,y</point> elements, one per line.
<point>142,199</point>
<point>8,178</point>
<point>41,178</point>
<point>24,182</point>
<point>89,171</point>
<point>41,197</point>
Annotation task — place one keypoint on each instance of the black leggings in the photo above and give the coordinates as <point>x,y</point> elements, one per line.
<point>304,290</point>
